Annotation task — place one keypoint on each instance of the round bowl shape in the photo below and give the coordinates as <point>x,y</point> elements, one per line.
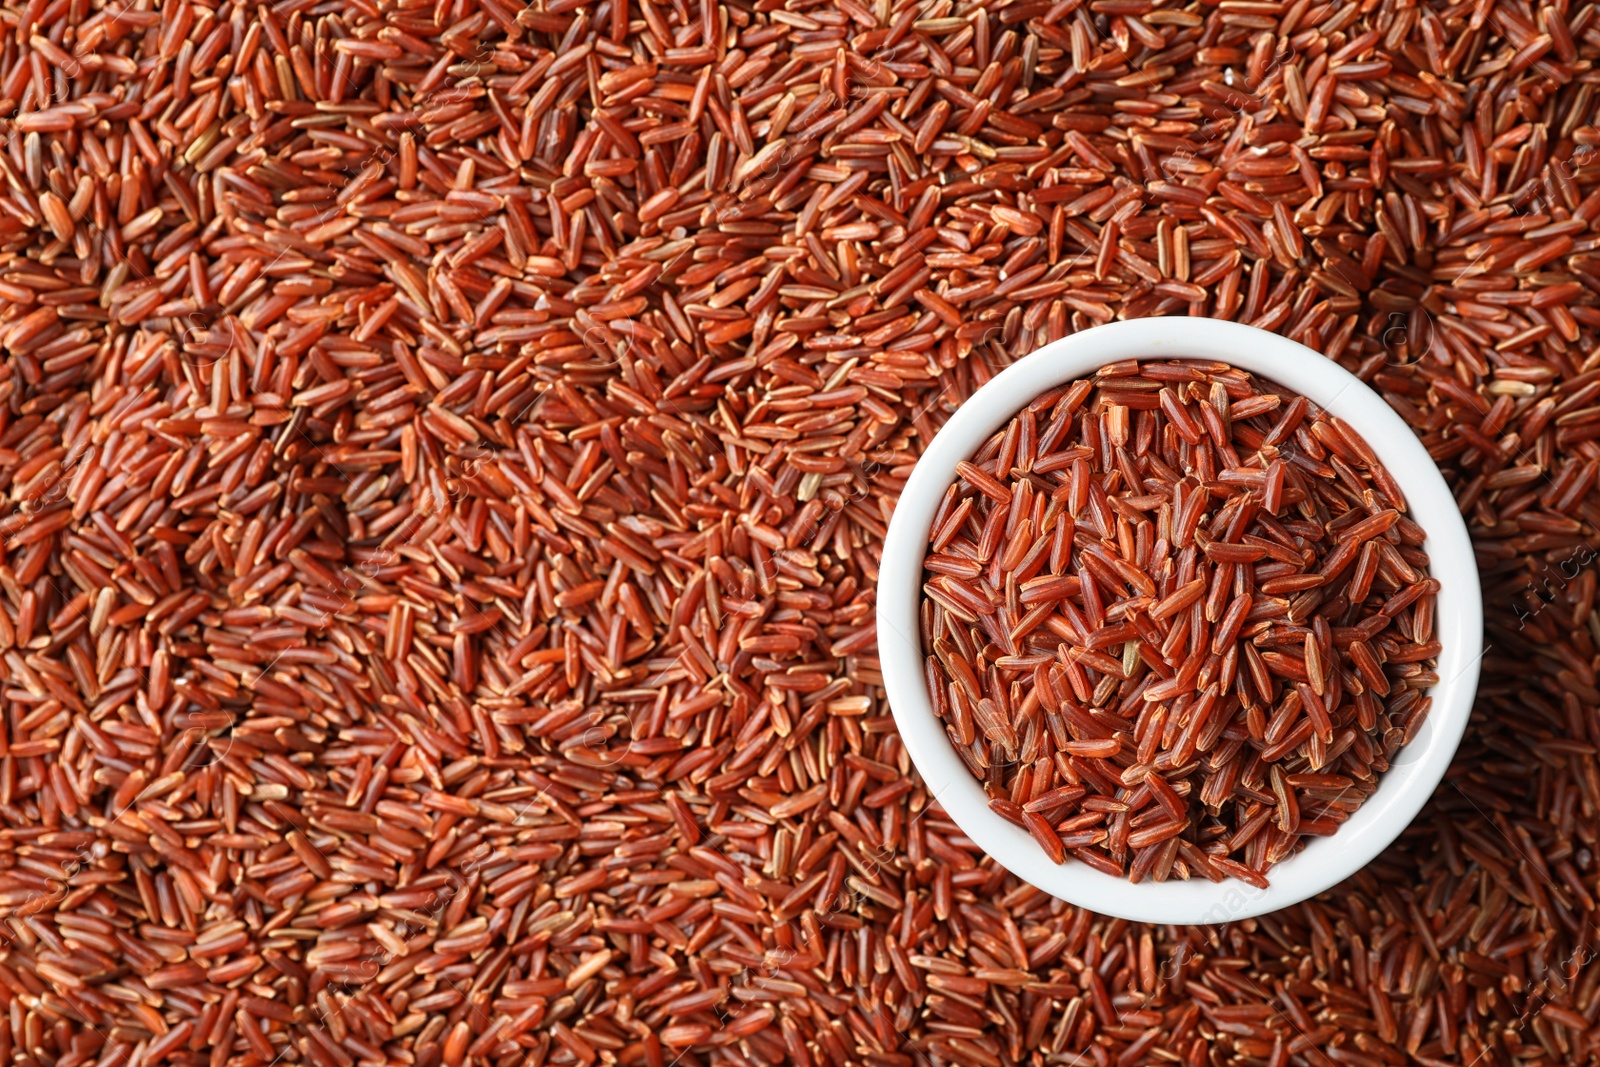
<point>1418,767</point>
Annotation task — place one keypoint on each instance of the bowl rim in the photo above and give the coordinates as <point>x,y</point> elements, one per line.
<point>1403,789</point>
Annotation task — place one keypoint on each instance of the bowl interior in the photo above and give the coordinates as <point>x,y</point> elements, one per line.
<point>1402,790</point>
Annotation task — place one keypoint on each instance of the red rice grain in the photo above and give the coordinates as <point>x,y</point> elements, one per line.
<point>1201,525</point>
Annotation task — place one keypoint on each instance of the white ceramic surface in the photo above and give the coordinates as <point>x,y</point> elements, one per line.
<point>1403,789</point>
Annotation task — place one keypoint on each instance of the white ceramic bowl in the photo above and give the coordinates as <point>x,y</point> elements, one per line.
<point>1402,790</point>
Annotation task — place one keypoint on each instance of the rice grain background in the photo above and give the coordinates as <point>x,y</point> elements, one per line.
<point>446,450</point>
